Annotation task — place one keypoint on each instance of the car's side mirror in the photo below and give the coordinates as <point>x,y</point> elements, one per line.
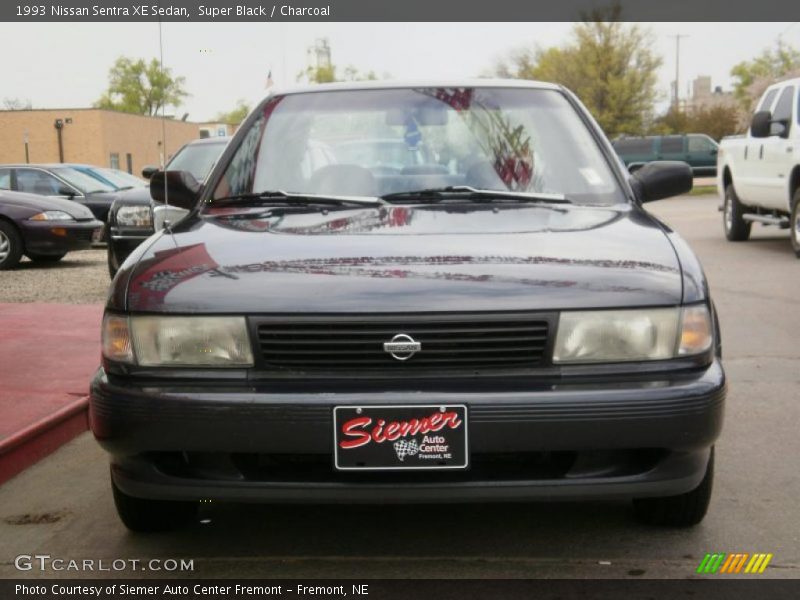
<point>64,190</point>
<point>177,188</point>
<point>662,179</point>
<point>148,171</point>
<point>761,124</point>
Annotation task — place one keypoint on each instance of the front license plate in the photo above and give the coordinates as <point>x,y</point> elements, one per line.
<point>97,235</point>
<point>390,438</point>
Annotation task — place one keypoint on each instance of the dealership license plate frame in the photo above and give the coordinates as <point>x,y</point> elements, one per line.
<point>458,465</point>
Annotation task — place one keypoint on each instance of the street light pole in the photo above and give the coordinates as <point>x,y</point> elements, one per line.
<point>678,69</point>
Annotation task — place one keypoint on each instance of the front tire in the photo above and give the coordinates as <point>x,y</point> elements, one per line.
<point>10,246</point>
<point>683,510</point>
<point>46,258</point>
<point>736,228</point>
<point>146,516</point>
<point>795,223</point>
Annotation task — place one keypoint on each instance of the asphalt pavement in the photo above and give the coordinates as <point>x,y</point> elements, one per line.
<point>62,506</point>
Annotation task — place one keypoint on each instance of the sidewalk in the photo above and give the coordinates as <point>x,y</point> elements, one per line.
<point>48,353</point>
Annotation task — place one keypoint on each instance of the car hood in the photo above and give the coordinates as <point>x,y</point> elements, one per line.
<point>38,204</point>
<point>397,259</point>
<point>140,195</point>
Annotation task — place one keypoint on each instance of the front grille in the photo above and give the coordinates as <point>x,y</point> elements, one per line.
<point>84,235</point>
<point>474,342</point>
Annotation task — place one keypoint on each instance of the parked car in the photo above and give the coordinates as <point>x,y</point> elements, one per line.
<point>759,174</point>
<point>697,150</point>
<point>43,229</point>
<point>516,328</point>
<point>130,220</point>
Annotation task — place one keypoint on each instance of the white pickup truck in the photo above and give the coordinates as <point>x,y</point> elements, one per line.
<point>758,175</point>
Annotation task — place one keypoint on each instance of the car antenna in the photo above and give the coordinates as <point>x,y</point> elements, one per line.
<point>163,121</point>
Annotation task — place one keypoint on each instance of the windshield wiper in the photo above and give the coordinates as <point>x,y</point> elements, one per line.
<point>273,196</point>
<point>465,192</point>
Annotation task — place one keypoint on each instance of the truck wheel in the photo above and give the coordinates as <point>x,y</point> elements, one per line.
<point>143,515</point>
<point>795,222</point>
<point>683,510</point>
<point>46,258</point>
<point>10,246</point>
<point>736,228</point>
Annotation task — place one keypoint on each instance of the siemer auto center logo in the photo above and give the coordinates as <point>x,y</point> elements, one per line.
<point>741,562</point>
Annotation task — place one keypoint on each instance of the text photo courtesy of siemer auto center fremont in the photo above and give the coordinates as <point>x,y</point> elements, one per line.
<point>316,299</point>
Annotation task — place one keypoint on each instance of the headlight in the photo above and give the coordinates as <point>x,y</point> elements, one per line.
<point>632,335</point>
<point>52,215</point>
<point>134,216</point>
<point>177,341</point>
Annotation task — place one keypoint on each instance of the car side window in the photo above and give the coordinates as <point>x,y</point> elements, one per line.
<point>766,102</point>
<point>783,109</point>
<point>672,144</point>
<point>37,182</point>
<point>698,143</point>
<point>5,179</point>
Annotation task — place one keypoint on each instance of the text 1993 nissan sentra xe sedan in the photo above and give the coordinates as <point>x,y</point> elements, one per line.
<point>499,321</point>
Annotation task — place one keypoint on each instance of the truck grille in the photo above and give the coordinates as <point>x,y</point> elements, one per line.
<point>448,342</point>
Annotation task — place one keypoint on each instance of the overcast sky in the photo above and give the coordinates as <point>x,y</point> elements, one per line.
<point>59,65</point>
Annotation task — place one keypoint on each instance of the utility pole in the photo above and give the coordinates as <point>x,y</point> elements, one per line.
<point>678,69</point>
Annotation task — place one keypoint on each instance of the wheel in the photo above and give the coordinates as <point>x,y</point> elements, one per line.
<point>45,258</point>
<point>143,515</point>
<point>795,223</point>
<point>683,510</point>
<point>10,246</point>
<point>113,264</point>
<point>736,228</point>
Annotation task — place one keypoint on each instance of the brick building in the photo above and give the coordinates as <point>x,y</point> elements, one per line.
<point>90,135</point>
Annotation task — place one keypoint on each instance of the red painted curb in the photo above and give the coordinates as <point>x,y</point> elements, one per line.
<point>31,444</point>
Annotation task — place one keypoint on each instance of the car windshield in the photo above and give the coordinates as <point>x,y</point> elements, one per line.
<point>121,179</point>
<point>197,159</point>
<point>85,183</point>
<point>387,141</point>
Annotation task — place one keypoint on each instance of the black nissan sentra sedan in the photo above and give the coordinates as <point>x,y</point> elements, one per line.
<point>503,321</point>
<point>43,229</point>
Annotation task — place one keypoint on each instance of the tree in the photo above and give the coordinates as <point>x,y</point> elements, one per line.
<point>17,104</point>
<point>136,86</point>
<point>235,116</point>
<point>752,77</point>
<point>717,121</point>
<point>610,65</point>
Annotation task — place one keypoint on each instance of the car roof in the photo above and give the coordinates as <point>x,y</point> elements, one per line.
<point>209,140</point>
<point>404,84</point>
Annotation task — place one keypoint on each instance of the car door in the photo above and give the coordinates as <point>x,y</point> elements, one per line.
<point>749,163</point>
<point>701,153</point>
<point>773,182</point>
<point>673,147</point>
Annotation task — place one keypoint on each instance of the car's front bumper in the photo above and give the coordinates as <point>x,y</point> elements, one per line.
<point>641,437</point>
<point>57,237</point>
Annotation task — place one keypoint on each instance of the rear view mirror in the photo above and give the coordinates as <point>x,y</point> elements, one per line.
<point>177,188</point>
<point>148,171</point>
<point>761,124</point>
<point>662,179</point>
<point>63,190</point>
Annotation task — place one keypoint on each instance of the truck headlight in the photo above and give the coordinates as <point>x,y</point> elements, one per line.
<point>632,335</point>
<point>164,341</point>
<point>134,216</point>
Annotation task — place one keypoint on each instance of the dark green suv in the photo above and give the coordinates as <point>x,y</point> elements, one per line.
<point>696,149</point>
